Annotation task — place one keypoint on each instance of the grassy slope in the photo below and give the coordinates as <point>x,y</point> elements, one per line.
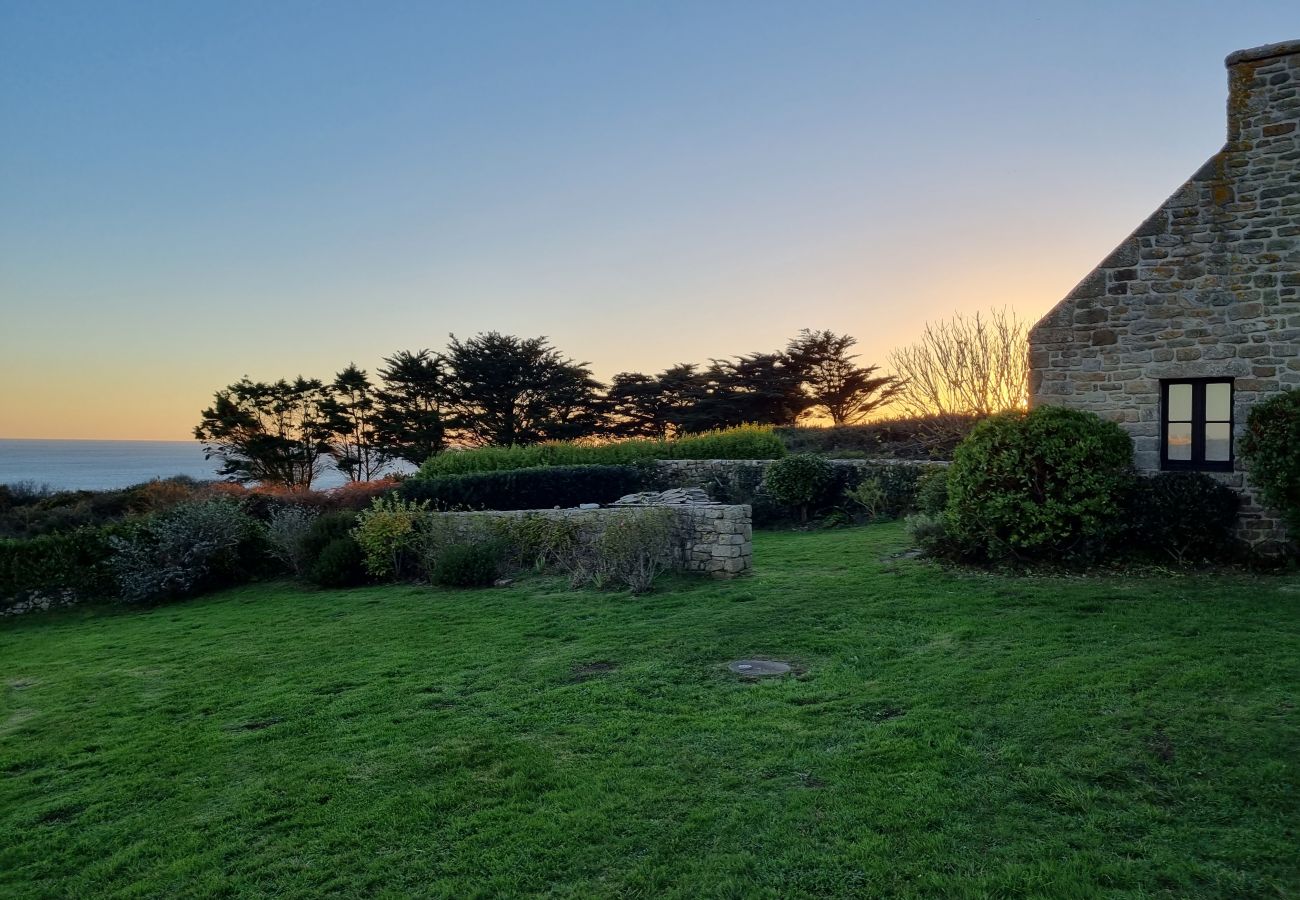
<point>960,735</point>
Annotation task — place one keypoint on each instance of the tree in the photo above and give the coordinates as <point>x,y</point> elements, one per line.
<point>409,422</point>
<point>272,433</point>
<point>848,393</point>
<point>963,367</point>
<point>503,391</point>
<point>354,418</point>
<point>653,405</point>
<point>760,388</point>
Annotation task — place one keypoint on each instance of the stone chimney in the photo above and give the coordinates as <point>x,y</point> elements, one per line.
<point>1263,93</point>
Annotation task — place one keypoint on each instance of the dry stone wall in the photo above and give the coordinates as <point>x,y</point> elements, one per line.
<point>711,539</point>
<point>1208,286</point>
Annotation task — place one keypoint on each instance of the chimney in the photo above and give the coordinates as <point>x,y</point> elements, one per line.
<point>1263,93</point>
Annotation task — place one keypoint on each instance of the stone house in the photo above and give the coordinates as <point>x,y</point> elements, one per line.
<point>1195,316</point>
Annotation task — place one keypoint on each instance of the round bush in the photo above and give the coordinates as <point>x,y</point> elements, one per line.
<point>1184,515</point>
<point>1047,484</point>
<point>340,563</point>
<point>800,481</point>
<point>467,565</point>
<point>1271,449</point>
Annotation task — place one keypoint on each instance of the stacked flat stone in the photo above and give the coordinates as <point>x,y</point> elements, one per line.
<point>679,496</point>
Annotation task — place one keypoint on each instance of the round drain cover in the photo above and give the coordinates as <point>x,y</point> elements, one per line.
<point>759,667</point>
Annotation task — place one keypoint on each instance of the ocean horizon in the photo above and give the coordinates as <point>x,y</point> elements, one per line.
<point>96,465</point>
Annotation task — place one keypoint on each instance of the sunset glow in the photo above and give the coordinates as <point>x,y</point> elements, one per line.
<point>191,194</point>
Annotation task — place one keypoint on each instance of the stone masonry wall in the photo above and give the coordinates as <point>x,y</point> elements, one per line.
<point>713,539</point>
<point>741,477</point>
<point>1208,286</point>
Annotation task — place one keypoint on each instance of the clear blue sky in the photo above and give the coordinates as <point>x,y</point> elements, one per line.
<point>191,192</point>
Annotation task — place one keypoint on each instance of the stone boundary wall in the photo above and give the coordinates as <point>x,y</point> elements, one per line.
<point>720,476</point>
<point>713,539</point>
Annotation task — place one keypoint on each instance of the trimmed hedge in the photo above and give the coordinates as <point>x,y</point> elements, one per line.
<point>934,437</point>
<point>536,488</point>
<point>1185,516</point>
<point>744,442</point>
<point>74,563</point>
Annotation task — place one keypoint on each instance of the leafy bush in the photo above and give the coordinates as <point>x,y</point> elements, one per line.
<point>389,535</point>
<point>799,481</point>
<point>932,492</point>
<point>194,546</point>
<point>538,542</point>
<point>287,534</point>
<point>69,567</point>
<point>744,442</point>
<point>339,564</point>
<point>1047,484</point>
<point>885,490</point>
<point>536,488</point>
<point>467,565</point>
<point>1186,515</point>
<point>1271,450</point>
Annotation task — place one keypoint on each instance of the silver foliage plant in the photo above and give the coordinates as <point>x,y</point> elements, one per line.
<point>286,533</point>
<point>171,554</point>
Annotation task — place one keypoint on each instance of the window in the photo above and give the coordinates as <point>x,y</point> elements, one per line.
<point>1196,424</point>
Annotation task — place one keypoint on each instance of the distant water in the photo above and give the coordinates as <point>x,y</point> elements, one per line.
<point>103,465</point>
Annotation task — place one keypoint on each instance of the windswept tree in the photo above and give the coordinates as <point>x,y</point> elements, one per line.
<point>833,382</point>
<point>504,390</point>
<point>412,397</point>
<point>966,366</point>
<point>357,448</point>
<point>276,433</point>
<point>653,405</point>
<point>760,388</point>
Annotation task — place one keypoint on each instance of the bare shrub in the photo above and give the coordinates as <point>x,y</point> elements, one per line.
<point>287,533</point>
<point>963,367</point>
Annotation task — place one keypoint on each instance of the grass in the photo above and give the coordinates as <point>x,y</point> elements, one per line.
<point>948,734</point>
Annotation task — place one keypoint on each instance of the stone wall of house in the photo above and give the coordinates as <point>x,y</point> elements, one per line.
<point>735,480</point>
<point>712,539</point>
<point>1208,286</point>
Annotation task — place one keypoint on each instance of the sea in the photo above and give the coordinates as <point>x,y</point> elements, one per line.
<point>105,465</point>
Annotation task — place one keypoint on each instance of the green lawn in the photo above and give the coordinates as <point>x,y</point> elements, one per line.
<point>948,735</point>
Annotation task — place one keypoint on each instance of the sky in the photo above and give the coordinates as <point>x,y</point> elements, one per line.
<point>193,192</point>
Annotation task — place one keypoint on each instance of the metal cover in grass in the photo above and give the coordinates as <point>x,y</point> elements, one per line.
<point>756,667</point>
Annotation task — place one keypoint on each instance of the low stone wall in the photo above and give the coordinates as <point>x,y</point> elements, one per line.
<point>713,539</point>
<point>731,480</point>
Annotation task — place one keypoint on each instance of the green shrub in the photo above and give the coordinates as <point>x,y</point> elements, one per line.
<point>194,546</point>
<point>1047,484</point>
<point>339,564</point>
<point>1184,515</point>
<point>744,442</point>
<point>538,542</point>
<point>1271,450</point>
<point>389,535</point>
<point>932,492</point>
<point>536,488</point>
<point>885,490</point>
<point>62,567</point>
<point>799,481</point>
<point>467,565</point>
